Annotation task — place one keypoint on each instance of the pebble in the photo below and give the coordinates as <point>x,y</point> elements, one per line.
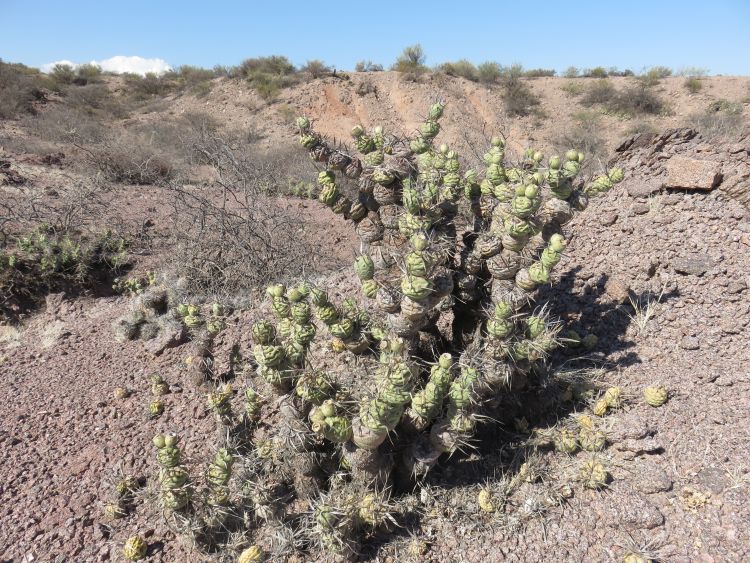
<point>689,343</point>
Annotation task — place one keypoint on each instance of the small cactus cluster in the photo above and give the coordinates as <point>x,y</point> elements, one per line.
<point>655,395</point>
<point>306,190</point>
<point>175,490</point>
<point>611,400</point>
<point>135,548</point>
<point>134,285</point>
<point>338,520</point>
<point>125,489</point>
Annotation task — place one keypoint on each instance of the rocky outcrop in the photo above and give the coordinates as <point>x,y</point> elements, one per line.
<point>683,159</point>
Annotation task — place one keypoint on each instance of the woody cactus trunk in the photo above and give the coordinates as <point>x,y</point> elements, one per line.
<point>449,267</point>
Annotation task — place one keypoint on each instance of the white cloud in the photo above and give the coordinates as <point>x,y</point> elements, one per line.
<point>120,64</point>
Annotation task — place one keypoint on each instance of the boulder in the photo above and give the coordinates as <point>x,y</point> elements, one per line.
<point>691,173</point>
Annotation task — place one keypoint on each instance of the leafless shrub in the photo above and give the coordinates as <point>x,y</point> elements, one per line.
<point>236,235</point>
<point>518,97</point>
<point>718,124</point>
<point>74,208</point>
<point>368,66</point>
<point>316,69</point>
<point>366,87</point>
<point>125,160</point>
<point>583,135</point>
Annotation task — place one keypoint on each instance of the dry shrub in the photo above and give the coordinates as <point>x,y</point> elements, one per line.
<point>573,88</point>
<point>600,92</point>
<point>584,135</point>
<point>316,69</point>
<point>463,68</point>
<point>126,161</point>
<point>368,66</point>
<point>722,120</point>
<point>518,97</point>
<point>64,124</point>
<point>21,87</point>
<point>410,63</point>
<point>637,98</point>
<point>236,234</point>
<point>366,87</point>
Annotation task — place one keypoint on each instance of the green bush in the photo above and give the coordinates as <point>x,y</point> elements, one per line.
<point>275,65</point>
<point>572,72</point>
<point>693,84</point>
<point>316,68</point>
<point>539,72</point>
<point>596,72</point>
<point>410,62</point>
<point>149,86</point>
<point>62,74</point>
<point>463,68</point>
<point>268,75</point>
<point>489,72</point>
<point>654,75</point>
<point>87,74</point>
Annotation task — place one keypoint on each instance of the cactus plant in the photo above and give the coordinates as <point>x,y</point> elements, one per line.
<point>445,323</point>
<point>656,395</point>
<point>135,548</point>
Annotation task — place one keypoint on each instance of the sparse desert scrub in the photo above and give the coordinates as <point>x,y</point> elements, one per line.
<point>636,98</point>
<point>721,119</point>
<point>585,134</point>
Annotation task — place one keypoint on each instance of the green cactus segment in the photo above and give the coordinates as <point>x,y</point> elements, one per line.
<point>220,469</point>
<point>252,404</point>
<point>219,402</point>
<point>326,422</point>
<point>428,402</point>
<point>370,288</point>
<point>174,485</point>
<point>364,267</point>
<point>269,355</point>
<point>416,288</point>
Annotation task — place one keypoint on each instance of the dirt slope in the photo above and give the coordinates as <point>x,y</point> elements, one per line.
<point>474,113</point>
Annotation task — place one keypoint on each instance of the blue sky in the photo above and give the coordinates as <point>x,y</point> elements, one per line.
<point>635,34</point>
